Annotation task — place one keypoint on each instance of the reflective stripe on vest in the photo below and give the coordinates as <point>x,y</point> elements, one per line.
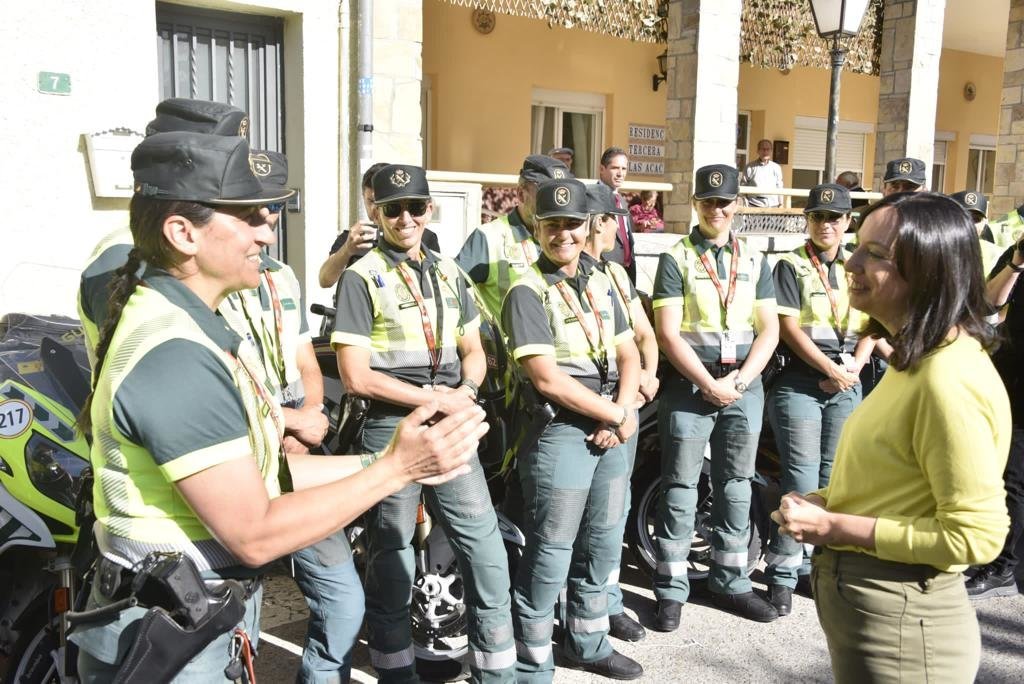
<point>397,339</point>
<point>573,352</point>
<point>620,286</point>
<point>134,521</point>
<point>816,320</point>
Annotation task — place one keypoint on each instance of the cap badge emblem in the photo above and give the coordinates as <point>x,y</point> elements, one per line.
<point>243,127</point>
<point>400,178</point>
<point>827,196</point>
<point>562,196</point>
<point>715,179</point>
<point>260,164</point>
<point>906,167</point>
<point>970,199</point>
<point>557,173</point>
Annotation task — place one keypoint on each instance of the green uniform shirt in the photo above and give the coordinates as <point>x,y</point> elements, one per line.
<point>682,281</point>
<point>495,255</point>
<point>378,311</point>
<point>177,394</point>
<point>539,322</point>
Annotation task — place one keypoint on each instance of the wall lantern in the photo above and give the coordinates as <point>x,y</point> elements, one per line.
<point>657,79</point>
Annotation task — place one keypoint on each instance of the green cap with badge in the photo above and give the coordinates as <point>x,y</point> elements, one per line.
<point>565,198</point>
<point>400,181</point>
<point>829,197</point>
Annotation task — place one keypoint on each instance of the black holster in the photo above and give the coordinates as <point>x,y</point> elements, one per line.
<point>350,424</point>
<point>534,416</point>
<point>185,617</point>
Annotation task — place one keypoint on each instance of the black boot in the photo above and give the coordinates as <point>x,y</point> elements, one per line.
<point>667,619</point>
<point>990,582</point>
<point>615,666</point>
<point>782,598</point>
<point>748,605</point>
<point>621,626</point>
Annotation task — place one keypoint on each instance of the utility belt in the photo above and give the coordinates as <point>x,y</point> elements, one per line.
<point>718,369</point>
<point>186,613</point>
<point>536,413</point>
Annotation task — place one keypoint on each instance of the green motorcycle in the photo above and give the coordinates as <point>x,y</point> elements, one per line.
<point>43,469</point>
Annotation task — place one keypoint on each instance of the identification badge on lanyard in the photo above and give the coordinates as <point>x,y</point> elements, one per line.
<point>608,390</point>
<point>849,363</point>
<point>728,347</point>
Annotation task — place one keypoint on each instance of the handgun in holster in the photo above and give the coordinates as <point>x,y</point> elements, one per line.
<point>350,425</point>
<point>185,616</point>
<point>532,418</point>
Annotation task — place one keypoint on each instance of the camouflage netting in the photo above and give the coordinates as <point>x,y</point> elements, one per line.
<point>776,34</point>
<point>780,34</point>
<point>636,20</point>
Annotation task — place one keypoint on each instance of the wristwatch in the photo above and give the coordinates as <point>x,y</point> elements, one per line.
<point>740,386</point>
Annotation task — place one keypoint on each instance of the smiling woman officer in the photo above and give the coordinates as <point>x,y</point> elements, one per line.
<point>572,345</point>
<point>186,437</point>
<point>407,334</point>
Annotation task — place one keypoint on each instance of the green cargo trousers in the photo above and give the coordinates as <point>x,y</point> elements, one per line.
<point>467,515</point>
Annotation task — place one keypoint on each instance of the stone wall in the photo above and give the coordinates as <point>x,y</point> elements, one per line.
<point>703,66</point>
<point>1008,189</point>
<point>397,77</point>
<point>909,80</point>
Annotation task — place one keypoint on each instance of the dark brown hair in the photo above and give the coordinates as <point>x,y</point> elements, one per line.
<point>146,219</point>
<point>936,252</point>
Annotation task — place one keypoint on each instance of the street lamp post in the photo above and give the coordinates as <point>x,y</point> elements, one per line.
<point>835,20</point>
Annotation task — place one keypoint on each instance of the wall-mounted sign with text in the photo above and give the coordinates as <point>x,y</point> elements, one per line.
<point>646,149</point>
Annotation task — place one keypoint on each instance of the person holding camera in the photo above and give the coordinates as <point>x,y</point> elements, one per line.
<point>409,337</point>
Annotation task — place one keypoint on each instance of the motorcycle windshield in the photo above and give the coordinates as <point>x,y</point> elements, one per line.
<point>22,361</point>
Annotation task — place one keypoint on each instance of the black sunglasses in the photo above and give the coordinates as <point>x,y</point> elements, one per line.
<point>823,216</point>
<point>393,210</point>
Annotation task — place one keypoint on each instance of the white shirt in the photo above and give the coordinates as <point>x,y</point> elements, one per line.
<point>763,175</point>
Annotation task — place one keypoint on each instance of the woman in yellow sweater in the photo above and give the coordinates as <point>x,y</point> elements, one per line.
<point>916,493</point>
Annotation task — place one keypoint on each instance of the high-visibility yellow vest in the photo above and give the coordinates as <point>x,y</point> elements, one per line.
<point>815,316</point>
<point>1007,230</point>
<point>508,257</point>
<point>397,339</point>
<point>138,508</point>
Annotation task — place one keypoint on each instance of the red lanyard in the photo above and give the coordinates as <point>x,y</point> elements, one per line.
<point>734,269</point>
<point>275,302</point>
<point>596,342</point>
<point>823,274</point>
<point>428,329</point>
<point>623,295</point>
<point>275,415</point>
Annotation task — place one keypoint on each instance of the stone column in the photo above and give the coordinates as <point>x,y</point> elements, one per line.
<point>1008,189</point>
<point>909,80</point>
<point>703,76</point>
<point>397,77</point>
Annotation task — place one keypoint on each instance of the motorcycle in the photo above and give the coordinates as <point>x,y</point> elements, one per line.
<point>43,470</point>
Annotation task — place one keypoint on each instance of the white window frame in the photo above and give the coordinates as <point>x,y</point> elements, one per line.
<point>573,102</point>
<point>744,149</point>
<point>942,141</point>
<point>985,144</point>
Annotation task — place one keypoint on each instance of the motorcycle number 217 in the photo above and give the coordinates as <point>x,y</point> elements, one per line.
<point>15,417</point>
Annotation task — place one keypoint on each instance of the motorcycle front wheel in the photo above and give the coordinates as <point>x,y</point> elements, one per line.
<point>646,488</point>
<point>34,659</point>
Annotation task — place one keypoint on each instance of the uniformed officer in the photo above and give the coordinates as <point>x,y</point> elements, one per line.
<point>976,205</point>
<point>111,252</point>
<point>819,386</point>
<point>714,313</point>
<point>905,174</point>
<point>572,346</point>
<point>272,316</point>
<point>603,230</point>
<point>497,253</point>
<point>187,441</point>
<point>1007,231</point>
<point>406,336</point>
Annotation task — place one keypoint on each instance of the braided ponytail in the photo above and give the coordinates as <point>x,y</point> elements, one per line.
<point>146,221</point>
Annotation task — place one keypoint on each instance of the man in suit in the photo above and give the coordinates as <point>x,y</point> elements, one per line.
<point>612,172</point>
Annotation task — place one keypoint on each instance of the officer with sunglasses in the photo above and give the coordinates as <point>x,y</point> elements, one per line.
<point>406,335</point>
<point>819,385</point>
<point>714,314</point>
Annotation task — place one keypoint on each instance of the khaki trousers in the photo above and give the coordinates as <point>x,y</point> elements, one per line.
<point>894,622</point>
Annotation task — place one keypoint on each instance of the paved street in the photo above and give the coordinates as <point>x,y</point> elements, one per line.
<point>711,646</point>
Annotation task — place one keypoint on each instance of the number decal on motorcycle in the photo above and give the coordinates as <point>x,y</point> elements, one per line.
<point>15,418</point>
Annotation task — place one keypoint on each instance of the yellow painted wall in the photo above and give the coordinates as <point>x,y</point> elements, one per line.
<point>483,84</point>
<point>958,115</point>
<point>775,99</point>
